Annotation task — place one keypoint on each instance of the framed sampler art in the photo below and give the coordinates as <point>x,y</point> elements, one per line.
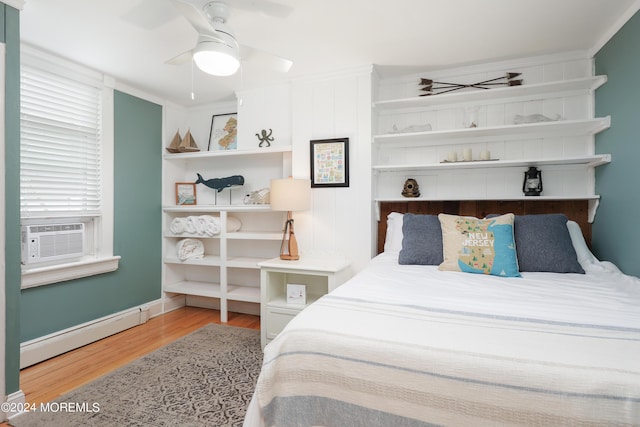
<point>330,162</point>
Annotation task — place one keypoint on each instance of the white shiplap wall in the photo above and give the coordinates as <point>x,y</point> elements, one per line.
<point>336,106</point>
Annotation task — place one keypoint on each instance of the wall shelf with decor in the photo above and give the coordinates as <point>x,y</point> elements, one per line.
<point>500,132</point>
<point>592,161</point>
<point>220,269</point>
<point>223,153</point>
<point>506,132</point>
<point>584,85</point>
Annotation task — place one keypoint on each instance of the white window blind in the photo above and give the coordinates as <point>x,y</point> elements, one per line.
<point>60,145</point>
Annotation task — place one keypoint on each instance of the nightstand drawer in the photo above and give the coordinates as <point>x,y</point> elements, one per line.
<point>277,319</point>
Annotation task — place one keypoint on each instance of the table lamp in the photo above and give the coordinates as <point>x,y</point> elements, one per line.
<point>290,195</point>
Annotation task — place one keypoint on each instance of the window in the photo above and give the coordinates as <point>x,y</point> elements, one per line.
<point>66,153</point>
<point>60,136</point>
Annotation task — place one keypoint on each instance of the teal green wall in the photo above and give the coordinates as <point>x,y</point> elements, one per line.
<point>10,33</point>
<point>615,238</point>
<point>137,236</point>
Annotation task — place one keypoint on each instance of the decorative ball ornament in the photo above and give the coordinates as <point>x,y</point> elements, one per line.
<point>411,188</point>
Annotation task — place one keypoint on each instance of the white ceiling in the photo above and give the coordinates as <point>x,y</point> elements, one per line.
<point>320,36</point>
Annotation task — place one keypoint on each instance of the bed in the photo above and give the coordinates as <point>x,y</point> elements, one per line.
<point>408,344</point>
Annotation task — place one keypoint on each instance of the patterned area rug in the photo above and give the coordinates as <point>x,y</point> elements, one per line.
<point>206,378</point>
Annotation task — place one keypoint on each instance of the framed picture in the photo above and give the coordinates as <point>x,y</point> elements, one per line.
<point>330,162</point>
<point>185,193</point>
<point>223,134</point>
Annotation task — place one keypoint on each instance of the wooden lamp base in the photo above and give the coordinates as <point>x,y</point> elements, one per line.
<point>289,247</point>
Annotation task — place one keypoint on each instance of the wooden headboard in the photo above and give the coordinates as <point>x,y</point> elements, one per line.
<point>576,210</point>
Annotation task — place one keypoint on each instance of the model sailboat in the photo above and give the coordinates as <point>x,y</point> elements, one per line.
<point>183,145</point>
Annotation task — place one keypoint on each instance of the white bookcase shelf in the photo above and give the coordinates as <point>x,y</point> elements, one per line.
<point>255,235</point>
<point>228,272</point>
<point>203,289</point>
<point>244,293</point>
<point>228,153</point>
<point>208,260</point>
<point>205,209</point>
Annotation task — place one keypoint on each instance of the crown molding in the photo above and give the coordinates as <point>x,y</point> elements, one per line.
<point>17,4</point>
<point>616,27</point>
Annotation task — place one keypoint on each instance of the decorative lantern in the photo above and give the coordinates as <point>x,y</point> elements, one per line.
<point>411,188</point>
<point>532,185</point>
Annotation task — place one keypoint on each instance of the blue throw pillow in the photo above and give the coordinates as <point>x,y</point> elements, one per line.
<point>421,240</point>
<point>543,243</point>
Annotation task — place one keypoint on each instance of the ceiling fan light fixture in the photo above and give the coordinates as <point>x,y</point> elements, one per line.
<point>216,58</point>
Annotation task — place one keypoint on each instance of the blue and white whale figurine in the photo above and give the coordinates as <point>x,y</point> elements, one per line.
<point>220,184</point>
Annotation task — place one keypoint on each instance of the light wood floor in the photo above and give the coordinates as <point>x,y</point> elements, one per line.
<point>52,378</point>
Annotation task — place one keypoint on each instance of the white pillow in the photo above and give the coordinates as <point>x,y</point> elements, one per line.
<point>393,239</point>
<point>585,257</point>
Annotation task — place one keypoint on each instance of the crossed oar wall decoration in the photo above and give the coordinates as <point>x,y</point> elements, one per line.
<point>436,88</point>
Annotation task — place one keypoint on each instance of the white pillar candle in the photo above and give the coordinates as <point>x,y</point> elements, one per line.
<point>467,155</point>
<point>485,155</point>
<point>452,156</point>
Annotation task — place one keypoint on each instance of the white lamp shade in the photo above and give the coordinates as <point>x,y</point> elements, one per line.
<point>216,58</point>
<point>290,194</point>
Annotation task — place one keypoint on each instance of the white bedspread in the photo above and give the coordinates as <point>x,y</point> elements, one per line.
<point>414,346</point>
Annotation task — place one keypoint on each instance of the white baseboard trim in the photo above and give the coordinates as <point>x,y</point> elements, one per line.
<point>173,303</point>
<point>15,400</point>
<point>45,347</point>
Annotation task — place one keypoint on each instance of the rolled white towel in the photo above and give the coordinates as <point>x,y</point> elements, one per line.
<point>190,249</point>
<point>211,225</point>
<point>190,225</point>
<point>177,226</point>
<point>201,224</point>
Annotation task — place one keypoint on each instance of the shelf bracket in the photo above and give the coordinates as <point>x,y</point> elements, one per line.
<point>593,207</point>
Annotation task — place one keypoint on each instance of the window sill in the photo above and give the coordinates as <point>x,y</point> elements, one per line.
<point>59,273</point>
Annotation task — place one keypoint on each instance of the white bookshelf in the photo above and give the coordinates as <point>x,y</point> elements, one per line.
<point>228,273</point>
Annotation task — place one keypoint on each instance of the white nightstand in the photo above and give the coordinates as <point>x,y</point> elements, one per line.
<point>320,275</point>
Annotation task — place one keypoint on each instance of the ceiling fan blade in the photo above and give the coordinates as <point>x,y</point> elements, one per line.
<point>180,59</point>
<point>266,7</point>
<point>193,12</point>
<point>269,60</point>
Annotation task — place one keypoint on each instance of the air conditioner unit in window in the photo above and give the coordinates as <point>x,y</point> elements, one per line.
<point>52,242</point>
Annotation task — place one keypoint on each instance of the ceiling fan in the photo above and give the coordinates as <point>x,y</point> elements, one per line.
<point>217,52</point>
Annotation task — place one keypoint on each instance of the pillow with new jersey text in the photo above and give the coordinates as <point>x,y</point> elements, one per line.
<point>421,240</point>
<point>483,246</point>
